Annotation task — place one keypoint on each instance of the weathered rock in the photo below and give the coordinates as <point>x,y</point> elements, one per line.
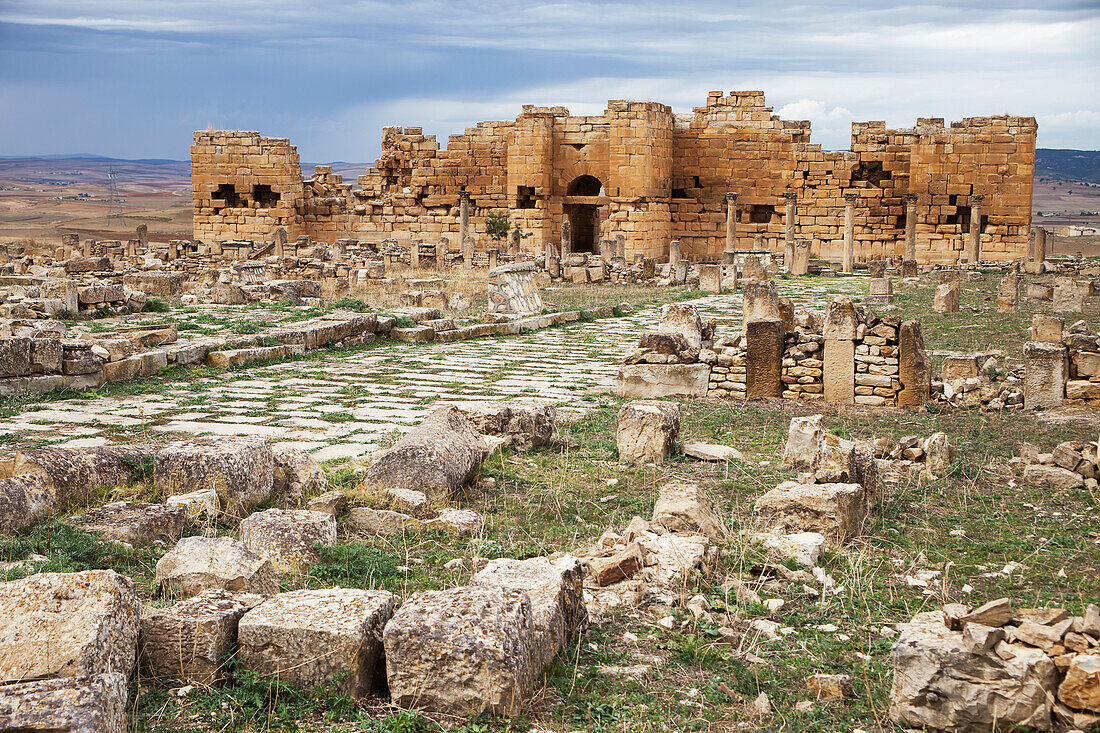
<point>133,523</point>
<point>86,704</point>
<point>829,686</point>
<point>1052,477</point>
<point>362,521</point>
<point>653,381</point>
<point>77,472</point>
<point>439,456</point>
<point>837,511</point>
<point>946,299</point>
<point>682,319</point>
<point>288,537</point>
<point>333,502</point>
<point>914,366</point>
<point>712,452</point>
<point>199,505</point>
<point>458,521</point>
<point>803,438</point>
<point>1081,686</point>
<point>685,507</point>
<point>554,588</point>
<point>312,637</point>
<point>187,641</point>
<point>802,547</point>
<point>995,613</point>
<point>529,424</point>
<point>647,431</point>
<point>241,472</point>
<point>618,566</point>
<point>24,500</point>
<point>68,625</point>
<point>196,564</point>
<point>938,453</point>
<point>463,651</point>
<point>295,474</point>
<point>1045,370</point>
<point>941,682</point>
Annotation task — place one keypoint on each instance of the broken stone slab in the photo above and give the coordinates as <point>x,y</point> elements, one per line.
<point>647,431</point>
<point>803,438</point>
<point>672,558</point>
<point>310,638</point>
<point>366,522</point>
<point>682,319</point>
<point>68,625</point>
<point>289,538</point>
<point>333,502</point>
<point>1081,686</point>
<point>555,590</point>
<point>134,524</point>
<point>941,681</point>
<point>296,474</point>
<point>802,547</point>
<point>189,640</point>
<point>457,521</point>
<point>199,505</point>
<point>1046,367</point>
<point>712,452</point>
<point>464,651</point>
<point>652,381</point>
<point>240,471</point>
<point>1052,477</point>
<point>686,507</point>
<point>529,424</point>
<point>618,566</point>
<point>837,511</point>
<point>24,500</point>
<point>439,456</point>
<point>994,613</point>
<point>85,704</point>
<point>196,564</point>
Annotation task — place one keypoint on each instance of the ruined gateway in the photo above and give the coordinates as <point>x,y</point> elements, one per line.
<point>730,170</point>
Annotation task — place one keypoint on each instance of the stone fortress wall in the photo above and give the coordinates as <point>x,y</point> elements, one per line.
<point>731,175</point>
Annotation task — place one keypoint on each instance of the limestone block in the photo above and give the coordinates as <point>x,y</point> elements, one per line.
<point>839,372</point>
<point>437,457</point>
<point>647,431</point>
<point>1069,296</point>
<point>133,523</point>
<point>528,424</point>
<point>682,319</point>
<point>765,357</point>
<point>650,381</point>
<point>1008,293</point>
<point>759,302</point>
<point>946,299</point>
<point>76,472</point>
<point>914,366</point>
<point>841,321</point>
<point>310,638</point>
<point>1081,686</point>
<point>686,507</point>
<point>1047,329</point>
<point>295,474</point>
<point>463,651</point>
<point>1054,478</point>
<point>1045,372</point>
<point>803,437</point>
<point>24,500</point>
<point>959,367</point>
<point>941,681</point>
<point>15,357</point>
<point>240,471</point>
<point>87,704</point>
<point>196,564</point>
<point>837,511</point>
<point>68,625</point>
<point>555,590</point>
<point>288,537</point>
<point>188,640</point>
<point>710,279</point>
<point>366,522</point>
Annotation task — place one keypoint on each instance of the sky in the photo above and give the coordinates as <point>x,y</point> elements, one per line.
<point>135,78</point>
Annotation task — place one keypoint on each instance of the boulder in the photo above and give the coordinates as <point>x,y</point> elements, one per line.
<point>311,638</point>
<point>196,564</point>
<point>685,507</point>
<point>240,471</point>
<point>938,453</point>
<point>555,590</point>
<point>837,511</point>
<point>942,681</point>
<point>1081,686</point>
<point>528,424</point>
<point>439,456</point>
<point>802,547</point>
<point>458,521</point>
<point>288,537</point>
<point>647,431</point>
<point>333,502</point>
<point>296,474</point>
<point>188,641</point>
<point>68,625</point>
<point>464,651</point>
<point>133,523</point>
<point>87,704</point>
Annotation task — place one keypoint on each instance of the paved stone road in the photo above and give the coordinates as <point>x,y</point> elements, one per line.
<point>348,404</point>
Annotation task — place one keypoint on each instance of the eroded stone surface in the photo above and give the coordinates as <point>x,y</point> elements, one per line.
<point>196,564</point>
<point>289,538</point>
<point>86,704</point>
<point>133,523</point>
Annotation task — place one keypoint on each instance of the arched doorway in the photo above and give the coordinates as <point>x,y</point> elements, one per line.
<point>586,208</point>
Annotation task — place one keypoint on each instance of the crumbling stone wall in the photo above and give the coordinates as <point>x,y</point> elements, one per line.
<point>651,176</point>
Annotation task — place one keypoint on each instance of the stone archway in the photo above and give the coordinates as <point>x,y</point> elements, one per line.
<point>585,207</point>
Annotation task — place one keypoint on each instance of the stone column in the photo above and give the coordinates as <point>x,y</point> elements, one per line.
<point>280,241</point>
<point>788,229</point>
<point>1045,370</point>
<point>1040,244</point>
<point>493,254</point>
<point>566,238</point>
<point>974,243</point>
<point>838,368</point>
<point>620,245</point>
<point>549,255</point>
<point>674,253</point>
<point>731,227</point>
<point>911,227</point>
<point>800,258</point>
<point>849,230</point>
<point>763,362</point>
<point>414,254</point>
<point>463,220</point>
<point>143,236</point>
<point>440,253</point>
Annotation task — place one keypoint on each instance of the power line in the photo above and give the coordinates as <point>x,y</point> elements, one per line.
<point>114,201</point>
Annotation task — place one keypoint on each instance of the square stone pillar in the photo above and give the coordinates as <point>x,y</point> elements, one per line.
<point>566,238</point>
<point>1008,293</point>
<point>493,255</point>
<point>674,253</point>
<point>731,226</point>
<point>710,278</point>
<point>788,228</point>
<point>1045,370</point>
<point>280,242</point>
<point>911,227</point>
<point>463,221</point>
<point>764,359</point>
<point>849,231</point>
<point>838,371</point>
<point>914,367</point>
<point>800,260</point>
<point>414,254</point>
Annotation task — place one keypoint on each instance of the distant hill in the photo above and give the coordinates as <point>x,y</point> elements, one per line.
<point>1068,165</point>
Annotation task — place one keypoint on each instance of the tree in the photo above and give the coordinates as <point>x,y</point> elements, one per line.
<point>497,225</point>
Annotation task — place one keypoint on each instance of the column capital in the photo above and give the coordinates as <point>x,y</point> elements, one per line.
<point>977,198</point>
<point>731,197</point>
<point>463,195</point>
<point>911,198</point>
<point>851,198</point>
<point>791,196</point>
